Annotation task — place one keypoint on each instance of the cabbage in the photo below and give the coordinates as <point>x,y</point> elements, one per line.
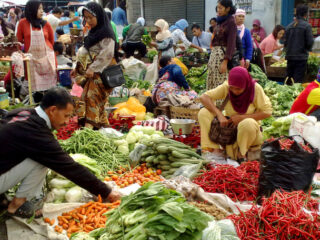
<point>58,194</point>
<point>131,138</point>
<point>155,136</point>
<point>160,133</point>
<point>120,142</point>
<point>87,162</point>
<point>74,195</point>
<point>148,130</point>
<point>123,149</point>
<point>61,183</point>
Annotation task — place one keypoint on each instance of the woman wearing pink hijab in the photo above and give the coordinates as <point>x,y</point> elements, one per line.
<point>258,33</point>
<point>247,104</point>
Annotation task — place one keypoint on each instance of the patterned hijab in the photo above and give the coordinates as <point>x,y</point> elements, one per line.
<point>102,30</point>
<point>240,77</point>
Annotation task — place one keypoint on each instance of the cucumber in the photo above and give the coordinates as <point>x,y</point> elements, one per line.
<point>147,153</point>
<point>178,164</point>
<point>150,159</point>
<point>190,161</point>
<point>162,149</point>
<point>149,165</point>
<point>173,170</point>
<point>165,167</point>
<point>171,142</point>
<point>186,152</point>
<point>177,154</point>
<point>164,162</point>
<point>162,157</point>
<point>156,160</point>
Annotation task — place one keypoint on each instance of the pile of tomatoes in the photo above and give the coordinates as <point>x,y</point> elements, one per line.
<point>139,175</point>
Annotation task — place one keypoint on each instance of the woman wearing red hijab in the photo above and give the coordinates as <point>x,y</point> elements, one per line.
<point>247,105</point>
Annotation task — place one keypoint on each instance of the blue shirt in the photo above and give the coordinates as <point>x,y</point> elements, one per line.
<point>247,44</point>
<point>175,75</point>
<point>119,16</point>
<point>204,41</point>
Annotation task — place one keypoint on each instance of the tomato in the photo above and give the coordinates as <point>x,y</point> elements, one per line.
<point>159,172</point>
<point>107,179</point>
<point>135,171</point>
<point>122,186</point>
<point>110,172</point>
<point>114,177</point>
<point>146,174</point>
<point>119,172</point>
<point>130,180</point>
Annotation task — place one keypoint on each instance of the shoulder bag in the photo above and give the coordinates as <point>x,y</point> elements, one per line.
<point>111,76</point>
<point>223,135</point>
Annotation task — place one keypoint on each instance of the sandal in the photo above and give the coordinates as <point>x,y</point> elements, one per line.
<point>26,210</point>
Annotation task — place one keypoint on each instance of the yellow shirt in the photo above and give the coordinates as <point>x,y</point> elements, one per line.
<point>261,102</point>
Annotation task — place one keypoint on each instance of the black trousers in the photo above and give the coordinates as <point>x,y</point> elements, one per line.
<point>296,69</point>
<point>316,114</point>
<point>130,48</point>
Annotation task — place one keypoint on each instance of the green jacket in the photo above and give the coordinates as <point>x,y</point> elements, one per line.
<point>134,32</point>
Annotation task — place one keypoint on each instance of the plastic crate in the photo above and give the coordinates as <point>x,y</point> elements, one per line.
<point>4,100</point>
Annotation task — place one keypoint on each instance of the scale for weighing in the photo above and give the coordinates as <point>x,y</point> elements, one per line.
<point>123,123</point>
<point>185,132</point>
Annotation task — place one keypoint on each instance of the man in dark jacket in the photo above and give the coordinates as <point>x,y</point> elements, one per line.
<point>298,43</point>
<point>28,148</point>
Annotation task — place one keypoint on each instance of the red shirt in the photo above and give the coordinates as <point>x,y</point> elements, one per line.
<point>24,34</point>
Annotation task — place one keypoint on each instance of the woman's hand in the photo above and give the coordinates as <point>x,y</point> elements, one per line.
<point>223,67</point>
<point>223,120</point>
<point>153,44</point>
<point>236,119</point>
<point>247,64</point>
<point>89,73</point>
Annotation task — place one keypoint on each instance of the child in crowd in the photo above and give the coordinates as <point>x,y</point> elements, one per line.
<point>58,50</point>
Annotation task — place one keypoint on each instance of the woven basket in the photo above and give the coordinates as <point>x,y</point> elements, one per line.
<point>184,113</point>
<point>162,111</point>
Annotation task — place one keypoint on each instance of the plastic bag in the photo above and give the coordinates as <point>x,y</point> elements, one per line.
<point>134,68</point>
<point>135,155</point>
<point>289,170</point>
<point>188,171</point>
<point>152,74</point>
<point>220,230</point>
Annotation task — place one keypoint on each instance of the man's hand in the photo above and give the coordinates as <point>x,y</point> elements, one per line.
<point>75,19</point>
<point>89,73</point>
<point>223,67</point>
<point>236,119</point>
<point>73,73</point>
<point>114,196</point>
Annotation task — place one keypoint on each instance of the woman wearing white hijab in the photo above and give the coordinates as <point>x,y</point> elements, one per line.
<point>164,39</point>
<point>133,35</point>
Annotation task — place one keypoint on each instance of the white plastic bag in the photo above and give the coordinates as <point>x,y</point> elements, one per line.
<point>152,74</point>
<point>307,127</point>
<point>134,68</point>
<point>220,230</point>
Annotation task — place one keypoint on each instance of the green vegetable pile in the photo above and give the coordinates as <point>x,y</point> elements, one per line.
<point>151,54</point>
<point>141,84</point>
<point>146,39</point>
<point>169,155</point>
<point>154,212</point>
<point>281,96</point>
<point>195,81</point>
<point>96,146</point>
<point>279,127</point>
<point>313,65</point>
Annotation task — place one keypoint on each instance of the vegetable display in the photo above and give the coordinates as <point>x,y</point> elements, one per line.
<point>154,212</point>
<point>151,54</point>
<point>96,146</point>
<point>139,175</point>
<point>197,78</point>
<point>279,127</point>
<point>131,107</point>
<point>238,183</point>
<point>146,39</point>
<point>169,155</point>
<point>282,216</point>
<point>286,143</point>
<point>86,218</point>
<point>313,64</point>
<point>67,131</point>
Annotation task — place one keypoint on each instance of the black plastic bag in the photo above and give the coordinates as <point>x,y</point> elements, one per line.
<point>289,170</point>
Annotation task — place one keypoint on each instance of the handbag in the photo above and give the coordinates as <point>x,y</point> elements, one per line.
<point>111,76</point>
<point>237,56</point>
<point>223,135</point>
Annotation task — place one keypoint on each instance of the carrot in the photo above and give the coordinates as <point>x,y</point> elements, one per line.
<point>65,226</point>
<point>52,222</point>
<point>46,220</point>
<point>99,198</point>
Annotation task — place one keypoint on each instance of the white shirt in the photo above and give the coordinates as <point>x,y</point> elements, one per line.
<point>54,22</point>
<point>177,36</point>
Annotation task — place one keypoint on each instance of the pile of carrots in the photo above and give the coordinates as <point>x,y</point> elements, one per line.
<point>139,175</point>
<point>86,218</point>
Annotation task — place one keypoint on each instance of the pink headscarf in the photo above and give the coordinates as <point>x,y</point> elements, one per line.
<point>260,32</point>
<point>240,77</point>
<point>241,28</point>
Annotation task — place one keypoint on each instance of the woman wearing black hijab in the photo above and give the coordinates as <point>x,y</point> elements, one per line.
<point>96,54</point>
<point>38,38</point>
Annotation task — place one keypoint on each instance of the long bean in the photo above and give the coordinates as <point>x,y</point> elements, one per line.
<point>96,146</point>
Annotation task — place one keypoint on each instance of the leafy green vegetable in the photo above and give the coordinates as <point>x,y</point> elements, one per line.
<point>146,39</point>
<point>155,212</point>
<point>313,65</point>
<point>151,54</point>
<point>81,236</point>
<point>196,78</point>
<point>89,163</point>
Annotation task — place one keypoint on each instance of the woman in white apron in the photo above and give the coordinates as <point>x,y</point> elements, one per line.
<point>38,38</point>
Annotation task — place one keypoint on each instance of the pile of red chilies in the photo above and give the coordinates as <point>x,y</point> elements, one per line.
<point>66,131</point>
<point>281,217</point>
<point>240,184</point>
<point>286,143</point>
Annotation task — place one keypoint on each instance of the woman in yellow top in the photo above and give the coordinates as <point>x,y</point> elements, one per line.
<point>247,105</point>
